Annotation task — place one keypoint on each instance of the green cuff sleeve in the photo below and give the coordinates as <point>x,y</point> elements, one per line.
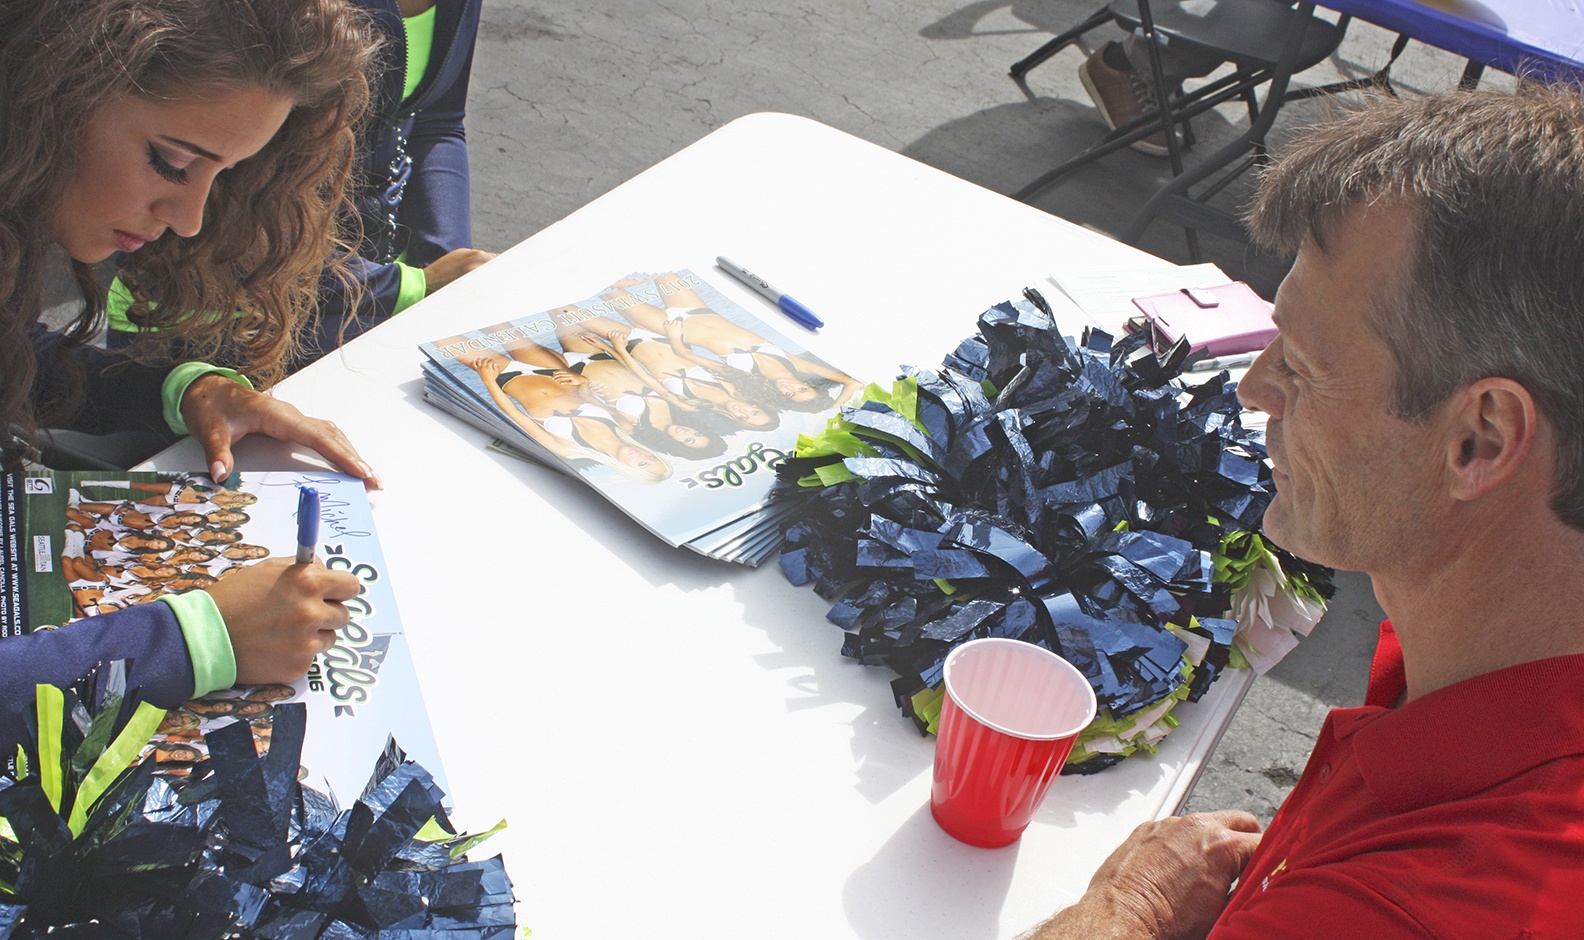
<point>208,642</point>
<point>116,305</point>
<point>414,286</point>
<point>177,383</point>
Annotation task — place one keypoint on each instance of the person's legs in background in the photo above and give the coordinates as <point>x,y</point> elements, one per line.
<point>1116,76</point>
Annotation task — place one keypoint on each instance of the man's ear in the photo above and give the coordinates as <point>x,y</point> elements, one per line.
<point>1493,427</point>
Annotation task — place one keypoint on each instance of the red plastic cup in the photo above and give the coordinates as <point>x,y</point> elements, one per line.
<point>1009,719</point>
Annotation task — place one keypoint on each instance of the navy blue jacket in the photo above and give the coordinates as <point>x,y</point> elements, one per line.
<point>147,634</point>
<point>413,186</point>
<point>118,393</point>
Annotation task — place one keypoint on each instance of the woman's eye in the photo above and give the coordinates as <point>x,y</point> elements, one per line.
<point>162,166</point>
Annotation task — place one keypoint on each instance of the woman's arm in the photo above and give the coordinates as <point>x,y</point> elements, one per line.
<point>850,385</point>
<point>435,205</point>
<point>643,315</point>
<point>659,412</point>
<point>489,369</point>
<point>118,393</point>
<point>639,371</point>
<point>673,332</point>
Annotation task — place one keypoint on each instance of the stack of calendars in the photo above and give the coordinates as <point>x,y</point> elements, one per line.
<point>84,543</point>
<point>670,400</point>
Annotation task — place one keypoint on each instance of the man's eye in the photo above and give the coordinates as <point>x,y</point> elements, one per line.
<point>167,172</point>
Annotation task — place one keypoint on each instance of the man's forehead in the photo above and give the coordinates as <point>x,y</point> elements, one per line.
<point>1329,301</point>
<point>1361,218</point>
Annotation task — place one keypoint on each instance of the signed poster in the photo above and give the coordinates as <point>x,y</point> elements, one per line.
<point>83,543</point>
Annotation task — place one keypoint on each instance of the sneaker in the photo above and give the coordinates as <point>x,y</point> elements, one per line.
<point>1121,97</point>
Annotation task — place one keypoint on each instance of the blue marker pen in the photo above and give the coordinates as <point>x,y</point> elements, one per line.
<point>307,524</point>
<point>788,306</point>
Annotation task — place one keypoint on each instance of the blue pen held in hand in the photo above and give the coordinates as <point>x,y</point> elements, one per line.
<point>307,524</point>
<point>788,306</point>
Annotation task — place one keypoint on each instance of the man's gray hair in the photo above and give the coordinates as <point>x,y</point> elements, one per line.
<point>1496,287</point>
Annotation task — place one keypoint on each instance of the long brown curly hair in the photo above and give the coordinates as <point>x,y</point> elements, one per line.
<point>270,224</point>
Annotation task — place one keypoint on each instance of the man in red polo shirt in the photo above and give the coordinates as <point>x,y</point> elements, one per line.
<point>1426,404</point>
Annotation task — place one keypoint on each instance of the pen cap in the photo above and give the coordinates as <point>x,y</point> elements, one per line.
<point>799,313</point>
<point>307,516</point>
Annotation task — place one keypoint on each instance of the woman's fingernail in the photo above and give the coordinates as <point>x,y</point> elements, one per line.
<point>218,471</point>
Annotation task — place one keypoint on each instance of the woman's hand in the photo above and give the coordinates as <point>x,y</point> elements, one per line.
<point>486,366</point>
<point>219,412</point>
<point>452,265</point>
<point>850,388</point>
<point>568,379</point>
<point>280,615</point>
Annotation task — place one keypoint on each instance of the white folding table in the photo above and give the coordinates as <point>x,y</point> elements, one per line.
<point>678,744</point>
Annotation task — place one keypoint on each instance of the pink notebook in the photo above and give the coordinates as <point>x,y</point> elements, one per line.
<point>1223,321</point>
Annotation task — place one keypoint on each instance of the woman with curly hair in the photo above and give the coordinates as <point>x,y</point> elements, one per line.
<point>125,128</point>
<point>208,144</point>
<point>411,185</point>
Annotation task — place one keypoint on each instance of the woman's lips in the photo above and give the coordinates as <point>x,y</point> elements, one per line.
<point>126,241</point>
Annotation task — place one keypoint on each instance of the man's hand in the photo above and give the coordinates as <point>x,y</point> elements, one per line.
<point>281,615</point>
<point>452,265</point>
<point>220,412</point>
<point>1168,881</point>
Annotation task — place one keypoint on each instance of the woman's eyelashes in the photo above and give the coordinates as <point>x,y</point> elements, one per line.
<point>167,171</point>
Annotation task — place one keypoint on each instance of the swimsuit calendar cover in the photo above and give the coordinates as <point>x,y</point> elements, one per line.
<point>670,400</point>
<point>83,543</point>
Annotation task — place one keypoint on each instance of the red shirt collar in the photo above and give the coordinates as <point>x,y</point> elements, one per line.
<point>1467,737</point>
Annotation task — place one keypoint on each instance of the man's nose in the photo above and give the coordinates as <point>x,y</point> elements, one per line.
<point>1257,391</point>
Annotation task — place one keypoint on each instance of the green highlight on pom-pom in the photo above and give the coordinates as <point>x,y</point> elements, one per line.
<point>926,705</point>
<point>113,762</point>
<point>435,831</point>
<point>840,440</point>
<point>51,703</point>
<point>1108,735</point>
<point>1236,659</point>
<point>1241,553</point>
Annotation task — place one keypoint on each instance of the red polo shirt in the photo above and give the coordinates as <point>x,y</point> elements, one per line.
<point>1459,814</point>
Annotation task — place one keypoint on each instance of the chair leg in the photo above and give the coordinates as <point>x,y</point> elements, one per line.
<point>1162,95</point>
<point>1176,192</point>
<point>1381,79</point>
<point>1185,107</point>
<point>1021,67</point>
<point>1158,81</point>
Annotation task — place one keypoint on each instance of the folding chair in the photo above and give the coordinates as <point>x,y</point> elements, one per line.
<point>1249,34</point>
<point>1265,41</point>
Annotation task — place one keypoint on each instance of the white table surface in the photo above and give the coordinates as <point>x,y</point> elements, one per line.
<point>678,744</point>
